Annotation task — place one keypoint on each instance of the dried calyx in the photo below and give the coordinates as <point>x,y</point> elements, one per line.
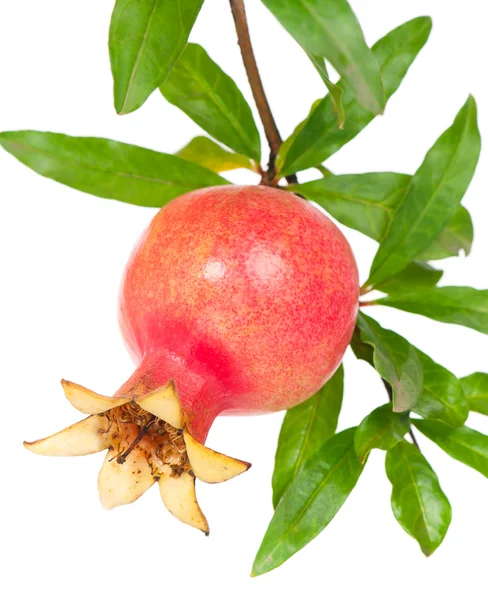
<point>147,440</point>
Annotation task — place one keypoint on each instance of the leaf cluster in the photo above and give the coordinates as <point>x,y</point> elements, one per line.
<point>415,218</point>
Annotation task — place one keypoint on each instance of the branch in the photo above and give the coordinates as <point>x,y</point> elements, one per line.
<point>262,104</point>
<point>414,439</point>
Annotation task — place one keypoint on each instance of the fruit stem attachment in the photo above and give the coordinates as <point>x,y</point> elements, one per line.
<point>365,289</point>
<point>262,104</point>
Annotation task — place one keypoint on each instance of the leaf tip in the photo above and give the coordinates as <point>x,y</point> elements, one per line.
<point>255,570</point>
<point>427,20</point>
<point>471,101</point>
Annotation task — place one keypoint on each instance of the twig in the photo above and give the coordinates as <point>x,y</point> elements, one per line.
<point>414,439</point>
<point>262,104</point>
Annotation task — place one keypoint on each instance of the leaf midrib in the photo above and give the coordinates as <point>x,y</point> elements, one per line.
<point>139,55</point>
<point>312,148</point>
<point>303,445</point>
<point>428,526</point>
<point>365,201</point>
<point>457,442</point>
<point>428,205</point>
<point>440,398</point>
<point>307,504</point>
<point>91,166</point>
<point>408,298</point>
<point>221,106</point>
<point>344,51</point>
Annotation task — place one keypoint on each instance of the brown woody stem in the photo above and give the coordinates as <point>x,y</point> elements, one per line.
<point>370,303</point>
<point>262,104</point>
<point>414,439</point>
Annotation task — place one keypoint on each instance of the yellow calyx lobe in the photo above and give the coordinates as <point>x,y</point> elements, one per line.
<point>147,441</point>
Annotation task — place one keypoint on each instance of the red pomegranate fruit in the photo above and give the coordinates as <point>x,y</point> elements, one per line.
<point>236,300</point>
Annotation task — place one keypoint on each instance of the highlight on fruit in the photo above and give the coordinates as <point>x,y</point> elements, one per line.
<point>242,299</point>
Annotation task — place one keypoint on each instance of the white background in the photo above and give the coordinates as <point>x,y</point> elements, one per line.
<point>62,256</point>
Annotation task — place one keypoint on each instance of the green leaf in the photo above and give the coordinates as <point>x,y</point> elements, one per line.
<point>364,202</point>
<point>319,138</point>
<point>292,137</point>
<point>457,236</point>
<point>395,360</point>
<point>417,275</point>
<point>305,428</point>
<point>330,30</point>
<point>475,387</point>
<point>462,443</point>
<point>460,305</point>
<point>335,91</point>
<point>417,500</point>
<point>381,429</point>
<point>205,152</point>
<point>311,502</point>
<point>433,198</point>
<point>367,202</point>
<point>108,169</point>
<point>442,397</point>
<point>146,38</point>
<point>200,88</point>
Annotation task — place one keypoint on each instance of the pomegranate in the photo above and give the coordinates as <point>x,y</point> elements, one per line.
<point>236,300</point>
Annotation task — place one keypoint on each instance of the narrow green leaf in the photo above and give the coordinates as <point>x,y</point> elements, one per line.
<point>395,360</point>
<point>417,275</point>
<point>146,38</point>
<point>475,387</point>
<point>459,305</point>
<point>311,502</point>
<point>381,429</point>
<point>433,198</point>
<point>461,443</point>
<point>365,202</point>
<point>442,396</point>
<point>319,137</point>
<point>417,500</point>
<point>292,137</point>
<point>205,152</point>
<point>199,87</point>
<point>108,169</point>
<point>335,91</point>
<point>305,428</point>
<point>330,30</point>
<point>457,236</point>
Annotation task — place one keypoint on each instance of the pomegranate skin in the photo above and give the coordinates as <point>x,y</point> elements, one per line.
<point>245,296</point>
